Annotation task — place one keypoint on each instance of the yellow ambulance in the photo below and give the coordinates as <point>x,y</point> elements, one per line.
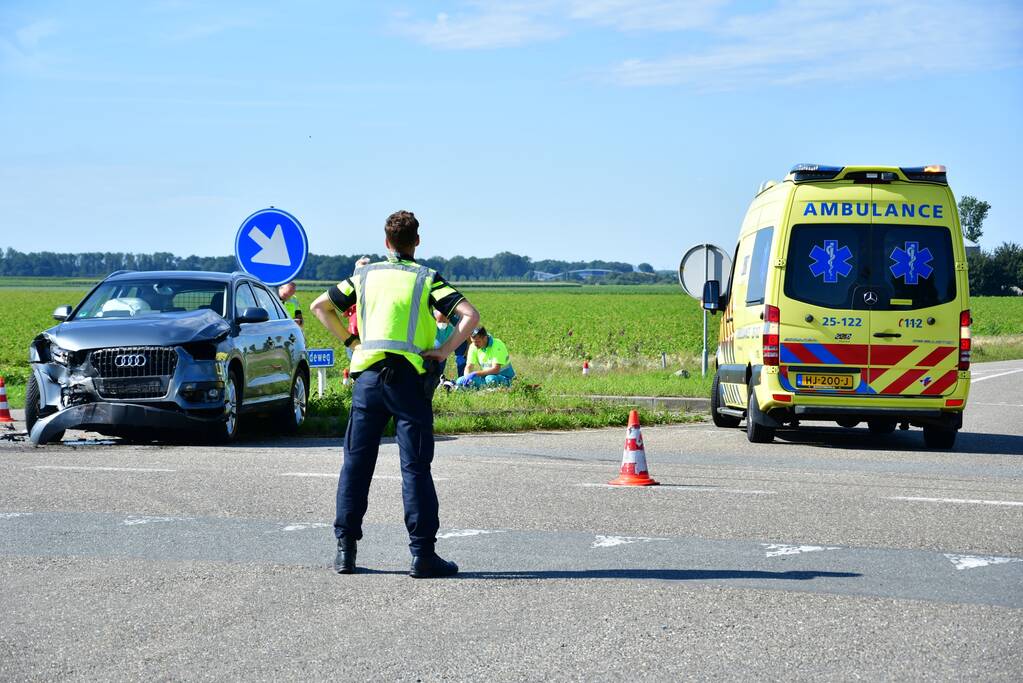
<point>848,302</point>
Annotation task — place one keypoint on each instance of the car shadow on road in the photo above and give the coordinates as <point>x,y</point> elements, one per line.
<point>662,574</point>
<point>911,440</point>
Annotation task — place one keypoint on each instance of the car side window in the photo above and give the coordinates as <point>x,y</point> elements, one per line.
<point>266,300</point>
<point>759,267</point>
<point>243,299</point>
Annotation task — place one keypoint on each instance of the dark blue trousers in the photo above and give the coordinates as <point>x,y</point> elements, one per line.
<point>379,395</point>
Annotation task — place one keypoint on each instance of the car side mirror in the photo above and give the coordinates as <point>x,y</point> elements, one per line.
<point>253,315</point>
<point>712,296</point>
<point>61,313</point>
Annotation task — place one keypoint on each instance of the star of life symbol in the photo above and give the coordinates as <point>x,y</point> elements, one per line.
<point>911,263</point>
<point>831,261</point>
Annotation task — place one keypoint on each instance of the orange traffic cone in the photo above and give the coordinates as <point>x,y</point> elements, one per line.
<point>346,378</point>
<point>634,471</point>
<point>586,367</point>
<point>5,411</point>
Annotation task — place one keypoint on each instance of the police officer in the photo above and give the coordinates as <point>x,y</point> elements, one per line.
<point>394,301</point>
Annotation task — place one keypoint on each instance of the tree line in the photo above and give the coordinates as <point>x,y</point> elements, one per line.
<point>503,266</point>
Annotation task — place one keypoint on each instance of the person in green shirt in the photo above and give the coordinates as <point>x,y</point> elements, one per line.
<point>488,363</point>
<point>286,292</point>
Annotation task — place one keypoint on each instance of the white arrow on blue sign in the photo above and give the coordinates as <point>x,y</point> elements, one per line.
<point>321,358</point>
<point>271,245</point>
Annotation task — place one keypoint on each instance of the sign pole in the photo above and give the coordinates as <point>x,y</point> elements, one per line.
<point>321,379</point>
<point>706,276</point>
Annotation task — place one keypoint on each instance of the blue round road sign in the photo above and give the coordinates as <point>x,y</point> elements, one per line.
<point>271,245</point>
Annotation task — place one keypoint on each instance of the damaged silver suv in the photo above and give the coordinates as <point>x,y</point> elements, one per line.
<point>177,352</point>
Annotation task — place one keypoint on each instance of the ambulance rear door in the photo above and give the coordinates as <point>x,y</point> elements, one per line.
<point>914,322</point>
<point>824,325</point>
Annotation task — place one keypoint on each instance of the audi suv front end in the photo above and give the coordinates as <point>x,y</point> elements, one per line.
<point>167,352</point>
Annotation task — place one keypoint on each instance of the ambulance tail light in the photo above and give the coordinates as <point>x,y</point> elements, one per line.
<point>772,318</point>
<point>965,340</point>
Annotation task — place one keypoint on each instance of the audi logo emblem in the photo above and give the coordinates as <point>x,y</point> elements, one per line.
<point>130,360</point>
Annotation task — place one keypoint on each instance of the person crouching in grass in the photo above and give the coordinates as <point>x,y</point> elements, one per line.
<point>488,364</point>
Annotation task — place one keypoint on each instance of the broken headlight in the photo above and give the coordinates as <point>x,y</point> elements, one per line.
<point>59,355</point>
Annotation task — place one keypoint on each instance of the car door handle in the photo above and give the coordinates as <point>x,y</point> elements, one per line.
<point>884,335</point>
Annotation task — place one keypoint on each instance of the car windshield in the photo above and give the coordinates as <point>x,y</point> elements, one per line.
<point>140,298</point>
<point>830,265</point>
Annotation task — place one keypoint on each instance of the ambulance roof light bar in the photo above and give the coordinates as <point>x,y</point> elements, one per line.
<point>935,173</point>
<point>803,172</point>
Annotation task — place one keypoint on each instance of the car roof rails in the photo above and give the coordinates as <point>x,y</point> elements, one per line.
<point>122,272</point>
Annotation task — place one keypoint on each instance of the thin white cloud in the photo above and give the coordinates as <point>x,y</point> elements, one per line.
<point>647,15</point>
<point>22,51</point>
<point>489,25</point>
<point>800,42</point>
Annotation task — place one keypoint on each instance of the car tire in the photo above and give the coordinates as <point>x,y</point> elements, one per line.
<point>848,423</point>
<point>756,433</point>
<point>881,427</point>
<point>294,413</point>
<point>32,407</point>
<point>936,437</point>
<point>715,403</point>
<point>227,431</point>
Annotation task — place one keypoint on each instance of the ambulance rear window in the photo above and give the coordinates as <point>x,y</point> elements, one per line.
<point>831,265</point>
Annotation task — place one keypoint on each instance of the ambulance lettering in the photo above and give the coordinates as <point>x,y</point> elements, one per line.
<point>873,209</point>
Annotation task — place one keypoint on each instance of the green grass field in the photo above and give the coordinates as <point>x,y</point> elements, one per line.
<point>622,330</point>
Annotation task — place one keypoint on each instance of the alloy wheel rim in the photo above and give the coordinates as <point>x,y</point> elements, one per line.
<point>232,407</point>
<point>298,401</point>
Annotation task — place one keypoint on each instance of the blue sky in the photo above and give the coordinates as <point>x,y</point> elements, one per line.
<point>609,129</point>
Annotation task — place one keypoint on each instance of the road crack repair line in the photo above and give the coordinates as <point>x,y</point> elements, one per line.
<point>152,519</point>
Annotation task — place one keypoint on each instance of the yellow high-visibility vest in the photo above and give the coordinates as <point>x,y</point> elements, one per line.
<point>393,309</point>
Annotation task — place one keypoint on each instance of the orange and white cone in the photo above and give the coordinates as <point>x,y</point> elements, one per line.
<point>5,411</point>
<point>346,378</point>
<point>634,470</point>
<point>586,367</point>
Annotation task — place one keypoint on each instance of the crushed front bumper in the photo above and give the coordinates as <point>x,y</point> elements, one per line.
<point>112,417</point>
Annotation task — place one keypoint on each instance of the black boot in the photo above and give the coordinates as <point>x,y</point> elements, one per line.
<point>431,566</point>
<point>344,562</point>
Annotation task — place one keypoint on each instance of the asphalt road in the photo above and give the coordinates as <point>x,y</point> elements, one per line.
<point>828,554</point>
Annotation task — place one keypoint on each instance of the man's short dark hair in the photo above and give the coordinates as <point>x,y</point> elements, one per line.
<point>479,332</point>
<point>402,230</point>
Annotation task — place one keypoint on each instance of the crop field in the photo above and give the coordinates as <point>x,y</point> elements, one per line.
<point>622,331</point>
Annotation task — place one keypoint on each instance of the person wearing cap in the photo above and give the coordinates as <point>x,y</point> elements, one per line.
<point>488,363</point>
<point>286,293</point>
<point>393,300</point>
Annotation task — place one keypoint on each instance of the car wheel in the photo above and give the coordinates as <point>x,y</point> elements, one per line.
<point>936,437</point>
<point>227,430</point>
<point>32,407</point>
<point>756,433</point>
<point>294,413</point>
<point>881,426</point>
<point>715,403</point>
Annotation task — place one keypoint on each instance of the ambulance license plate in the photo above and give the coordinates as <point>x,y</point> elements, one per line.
<point>824,381</point>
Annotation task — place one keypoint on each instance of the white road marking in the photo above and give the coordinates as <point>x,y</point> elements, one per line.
<point>462,533</point>
<point>100,469</point>
<point>611,541</point>
<point>306,525</point>
<point>997,374</point>
<point>12,515</point>
<point>88,442</point>
<point>969,501</point>
<point>135,521</point>
<point>974,561</point>
<point>776,549</point>
<point>333,475</point>
<point>684,489</point>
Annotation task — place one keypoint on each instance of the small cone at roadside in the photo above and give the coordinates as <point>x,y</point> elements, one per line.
<point>634,471</point>
<point>346,377</point>
<point>5,410</point>
<point>586,367</point>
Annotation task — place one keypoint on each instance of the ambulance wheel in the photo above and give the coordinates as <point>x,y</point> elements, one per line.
<point>935,437</point>
<point>715,402</point>
<point>881,427</point>
<point>756,433</point>
<point>847,422</point>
